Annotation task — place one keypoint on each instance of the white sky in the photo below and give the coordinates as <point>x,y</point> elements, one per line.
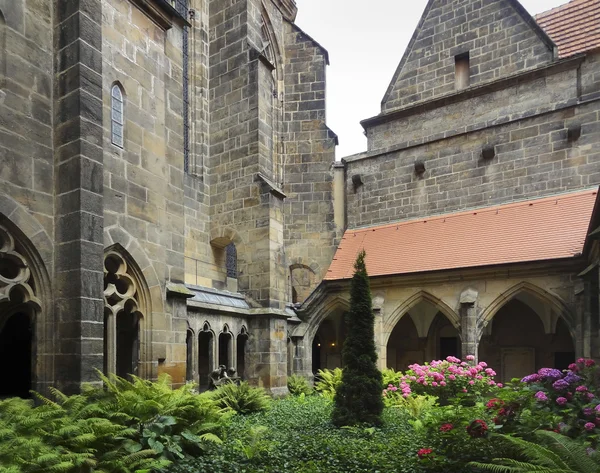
<point>365,41</point>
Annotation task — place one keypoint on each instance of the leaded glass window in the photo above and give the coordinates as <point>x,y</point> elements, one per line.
<point>116,116</point>
<point>231,254</point>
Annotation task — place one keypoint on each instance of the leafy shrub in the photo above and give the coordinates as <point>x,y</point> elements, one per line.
<point>300,438</point>
<point>298,385</point>
<point>128,427</point>
<point>558,454</point>
<point>358,398</point>
<point>390,376</point>
<point>242,398</point>
<point>414,406</point>
<point>328,382</point>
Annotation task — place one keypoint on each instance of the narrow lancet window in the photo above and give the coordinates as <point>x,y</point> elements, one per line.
<point>116,116</point>
<point>462,74</point>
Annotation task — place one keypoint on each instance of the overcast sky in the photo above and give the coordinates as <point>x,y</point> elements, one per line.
<point>365,41</point>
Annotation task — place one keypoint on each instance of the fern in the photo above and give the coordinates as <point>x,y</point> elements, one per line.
<point>328,382</point>
<point>298,385</point>
<point>558,454</point>
<point>242,398</point>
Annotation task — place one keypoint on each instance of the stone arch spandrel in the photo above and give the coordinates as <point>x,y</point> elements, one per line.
<point>394,317</point>
<point>557,305</point>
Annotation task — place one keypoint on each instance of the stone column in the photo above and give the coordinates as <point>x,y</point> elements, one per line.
<point>468,323</point>
<point>79,192</point>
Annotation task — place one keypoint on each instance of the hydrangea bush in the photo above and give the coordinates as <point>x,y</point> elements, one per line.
<point>445,379</point>
<point>569,395</point>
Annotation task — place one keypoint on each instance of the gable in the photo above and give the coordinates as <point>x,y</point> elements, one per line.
<point>500,37</point>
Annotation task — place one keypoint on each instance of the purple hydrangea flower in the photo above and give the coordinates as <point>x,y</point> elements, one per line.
<point>550,373</point>
<point>541,396</point>
<point>560,385</point>
<point>561,401</point>
<point>572,378</point>
<point>597,408</point>
<point>588,411</point>
<point>532,378</point>
<point>589,426</point>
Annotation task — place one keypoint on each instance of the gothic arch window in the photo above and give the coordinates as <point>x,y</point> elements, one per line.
<point>19,308</point>
<point>122,316</point>
<point>117,116</point>
<point>272,106</point>
<point>231,260</point>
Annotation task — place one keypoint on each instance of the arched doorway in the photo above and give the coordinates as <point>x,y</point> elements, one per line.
<point>205,356</point>
<point>329,341</point>
<point>242,342</point>
<point>524,336</point>
<point>16,347</point>
<point>423,333</point>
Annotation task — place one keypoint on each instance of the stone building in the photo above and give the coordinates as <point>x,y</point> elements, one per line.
<point>476,198</point>
<point>170,200</point>
<point>165,175</point>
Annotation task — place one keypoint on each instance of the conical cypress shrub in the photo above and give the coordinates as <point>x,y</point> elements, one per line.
<point>358,400</point>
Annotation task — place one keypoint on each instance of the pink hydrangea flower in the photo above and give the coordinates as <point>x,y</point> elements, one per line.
<point>589,426</point>
<point>581,389</point>
<point>561,401</point>
<point>469,357</point>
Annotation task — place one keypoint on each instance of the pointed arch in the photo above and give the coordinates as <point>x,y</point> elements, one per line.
<point>127,308</point>
<point>334,304</point>
<point>558,306</point>
<point>27,329</point>
<point>411,302</point>
<point>117,114</point>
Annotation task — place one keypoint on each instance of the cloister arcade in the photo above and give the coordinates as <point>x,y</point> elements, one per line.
<point>516,327</point>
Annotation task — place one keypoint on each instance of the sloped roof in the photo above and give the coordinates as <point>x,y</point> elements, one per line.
<point>574,26</point>
<point>535,230</point>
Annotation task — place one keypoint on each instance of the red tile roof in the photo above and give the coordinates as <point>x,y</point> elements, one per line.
<point>574,26</point>
<point>534,230</point>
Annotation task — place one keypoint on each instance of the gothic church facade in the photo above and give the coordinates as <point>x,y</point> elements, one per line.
<point>170,200</point>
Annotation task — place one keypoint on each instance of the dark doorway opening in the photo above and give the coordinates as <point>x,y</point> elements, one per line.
<point>562,359</point>
<point>16,345</point>
<point>316,355</point>
<point>242,341</point>
<point>127,344</point>
<point>205,358</point>
<point>225,349</point>
<point>448,347</point>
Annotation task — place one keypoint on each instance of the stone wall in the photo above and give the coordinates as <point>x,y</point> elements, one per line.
<point>500,38</point>
<point>144,180</point>
<point>528,132</point>
<point>310,230</point>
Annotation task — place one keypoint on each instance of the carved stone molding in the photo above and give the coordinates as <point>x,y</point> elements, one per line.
<point>16,283</point>
<point>120,290</point>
